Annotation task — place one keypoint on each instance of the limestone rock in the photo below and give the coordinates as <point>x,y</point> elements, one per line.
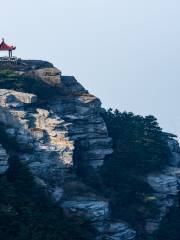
<point>73,85</point>
<point>119,231</point>
<point>76,117</point>
<point>10,98</point>
<point>98,212</point>
<point>57,194</point>
<point>166,186</point>
<point>51,76</point>
<point>175,151</point>
<point>3,160</point>
<point>91,209</point>
<point>50,131</point>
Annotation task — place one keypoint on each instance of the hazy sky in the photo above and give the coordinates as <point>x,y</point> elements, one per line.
<point>127,52</point>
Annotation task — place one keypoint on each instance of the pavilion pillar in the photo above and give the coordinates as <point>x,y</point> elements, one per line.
<point>10,54</point>
<point>8,48</point>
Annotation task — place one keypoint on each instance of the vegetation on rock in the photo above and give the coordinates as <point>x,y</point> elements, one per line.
<point>10,79</point>
<point>26,211</point>
<point>140,147</point>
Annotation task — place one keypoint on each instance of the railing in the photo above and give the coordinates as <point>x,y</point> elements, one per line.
<point>9,60</point>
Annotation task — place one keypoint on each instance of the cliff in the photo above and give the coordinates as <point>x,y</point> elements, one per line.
<point>59,129</point>
<point>51,115</point>
<point>66,116</point>
<point>166,186</point>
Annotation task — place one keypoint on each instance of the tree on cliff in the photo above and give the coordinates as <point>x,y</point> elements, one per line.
<point>140,147</point>
<point>138,141</point>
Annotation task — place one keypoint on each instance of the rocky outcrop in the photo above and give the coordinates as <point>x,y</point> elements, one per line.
<point>92,209</point>
<point>14,99</point>
<point>164,183</point>
<point>49,75</point>
<point>175,151</point>
<point>98,213</point>
<point>58,127</point>
<point>119,231</point>
<point>4,165</point>
<point>48,132</point>
<point>23,66</point>
<point>50,140</point>
<point>166,186</point>
<point>166,189</point>
<point>51,129</point>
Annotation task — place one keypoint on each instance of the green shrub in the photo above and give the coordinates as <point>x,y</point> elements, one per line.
<point>45,92</point>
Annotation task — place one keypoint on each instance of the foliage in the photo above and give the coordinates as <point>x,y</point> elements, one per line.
<point>140,147</point>
<point>139,142</point>
<point>8,74</point>
<point>9,79</point>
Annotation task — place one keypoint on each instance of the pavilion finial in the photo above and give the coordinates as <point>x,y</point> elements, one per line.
<point>2,40</point>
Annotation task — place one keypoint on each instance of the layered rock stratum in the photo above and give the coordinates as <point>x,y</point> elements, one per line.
<point>55,118</point>
<point>4,165</point>
<point>50,122</point>
<point>166,185</point>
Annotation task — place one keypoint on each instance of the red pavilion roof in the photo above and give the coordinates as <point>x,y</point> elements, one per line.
<point>6,47</point>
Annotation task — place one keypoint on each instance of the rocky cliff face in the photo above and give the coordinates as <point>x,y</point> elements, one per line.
<point>166,185</point>
<point>63,120</point>
<point>49,130</point>
<point>51,125</point>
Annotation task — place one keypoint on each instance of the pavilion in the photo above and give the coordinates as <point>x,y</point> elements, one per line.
<point>7,48</point>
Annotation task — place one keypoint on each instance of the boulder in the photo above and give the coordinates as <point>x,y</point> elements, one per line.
<point>50,76</point>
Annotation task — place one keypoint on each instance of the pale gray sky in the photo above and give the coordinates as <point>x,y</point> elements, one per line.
<point>127,52</point>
